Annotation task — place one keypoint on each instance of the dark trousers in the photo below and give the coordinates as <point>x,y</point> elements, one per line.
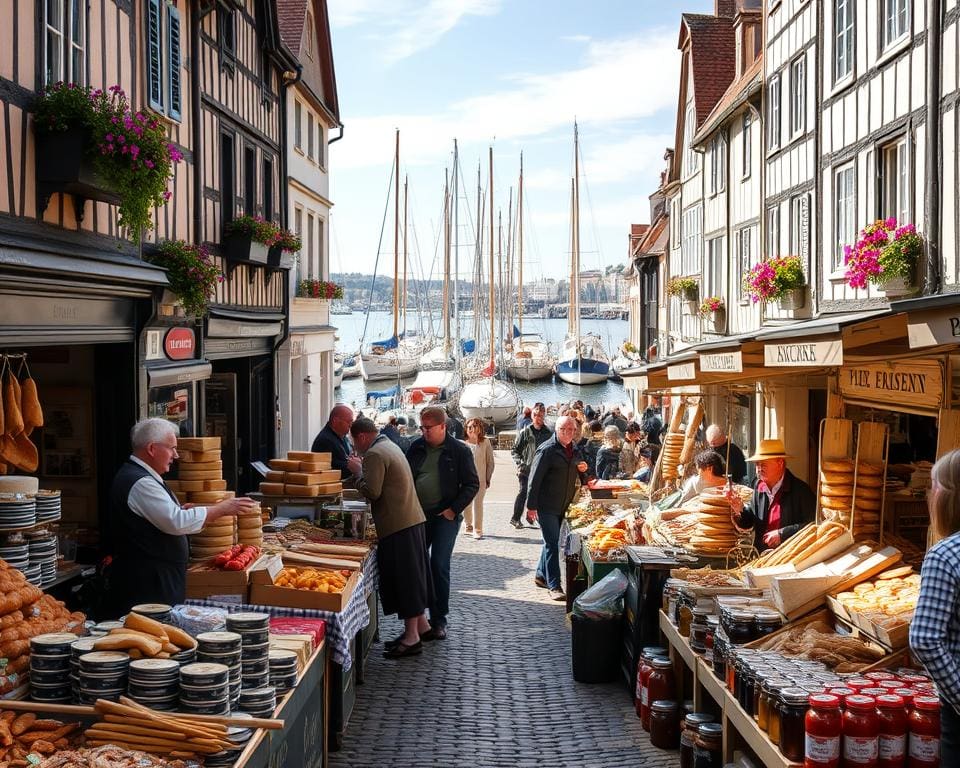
<point>548,568</point>
<point>441,536</point>
<point>520,503</point>
<point>949,735</point>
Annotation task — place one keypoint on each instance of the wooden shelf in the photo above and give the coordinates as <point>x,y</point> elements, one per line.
<point>710,682</point>
<point>678,643</point>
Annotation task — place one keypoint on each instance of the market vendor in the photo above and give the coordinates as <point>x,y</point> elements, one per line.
<point>781,504</point>
<point>718,440</point>
<point>333,439</point>
<point>149,527</point>
<point>710,474</point>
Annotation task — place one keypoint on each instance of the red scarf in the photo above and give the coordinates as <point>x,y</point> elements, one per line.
<point>773,519</point>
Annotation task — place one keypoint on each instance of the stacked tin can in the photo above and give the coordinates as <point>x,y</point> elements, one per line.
<point>205,689</point>
<point>254,629</point>
<point>50,667</point>
<point>223,648</point>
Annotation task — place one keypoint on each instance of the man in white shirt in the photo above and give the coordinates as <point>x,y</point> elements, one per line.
<point>149,527</point>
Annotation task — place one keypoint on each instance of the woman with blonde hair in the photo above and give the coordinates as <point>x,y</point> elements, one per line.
<point>482,451</point>
<point>935,629</point>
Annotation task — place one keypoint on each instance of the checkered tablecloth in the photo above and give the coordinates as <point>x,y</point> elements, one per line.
<point>371,573</point>
<point>342,627</point>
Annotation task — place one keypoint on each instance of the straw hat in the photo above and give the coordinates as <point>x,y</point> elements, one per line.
<point>770,449</point>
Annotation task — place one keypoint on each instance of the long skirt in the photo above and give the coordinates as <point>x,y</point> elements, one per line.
<point>405,585</point>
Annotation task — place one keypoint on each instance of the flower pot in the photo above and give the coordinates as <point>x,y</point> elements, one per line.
<point>240,247</point>
<point>280,259</point>
<point>716,321</point>
<point>897,286</point>
<point>64,165</point>
<point>792,299</point>
<point>688,307</point>
<point>688,294</point>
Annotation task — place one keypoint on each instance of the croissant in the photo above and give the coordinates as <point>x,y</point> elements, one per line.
<point>11,406</point>
<point>30,406</point>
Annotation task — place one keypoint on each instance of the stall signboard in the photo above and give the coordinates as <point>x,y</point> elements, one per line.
<point>300,743</point>
<point>931,329</point>
<point>180,343</point>
<point>722,362</point>
<point>803,354</point>
<point>917,382</point>
<point>682,372</point>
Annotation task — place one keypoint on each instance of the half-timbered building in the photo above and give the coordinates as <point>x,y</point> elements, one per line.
<point>305,363</point>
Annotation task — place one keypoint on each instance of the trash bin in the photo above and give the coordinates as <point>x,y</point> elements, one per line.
<point>596,649</point>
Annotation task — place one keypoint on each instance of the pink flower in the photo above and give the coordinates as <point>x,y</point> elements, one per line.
<point>167,195</point>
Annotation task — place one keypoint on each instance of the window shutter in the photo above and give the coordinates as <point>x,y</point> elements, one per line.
<point>154,55</point>
<point>173,62</point>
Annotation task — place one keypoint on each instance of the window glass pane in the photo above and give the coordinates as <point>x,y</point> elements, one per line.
<point>54,51</point>
<point>76,22</point>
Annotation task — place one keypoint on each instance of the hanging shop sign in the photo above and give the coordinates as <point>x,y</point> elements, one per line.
<point>180,344</point>
<point>722,362</point>
<point>803,354</point>
<point>918,383</point>
<point>682,371</point>
<point>931,329</point>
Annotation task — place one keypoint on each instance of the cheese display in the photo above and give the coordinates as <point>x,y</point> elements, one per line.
<point>302,473</point>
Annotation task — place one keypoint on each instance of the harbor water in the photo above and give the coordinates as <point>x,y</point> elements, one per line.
<point>549,391</point>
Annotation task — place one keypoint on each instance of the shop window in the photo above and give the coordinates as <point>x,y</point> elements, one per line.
<point>896,16</point>
<point>64,41</point>
<point>773,112</point>
<point>845,211</point>
<point>843,39</point>
<point>250,181</point>
<point>176,404</point>
<point>895,180</point>
<point>227,179</point>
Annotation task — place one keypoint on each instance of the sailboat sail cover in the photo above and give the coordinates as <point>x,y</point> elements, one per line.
<point>468,346</point>
<point>392,392</point>
<point>390,343</point>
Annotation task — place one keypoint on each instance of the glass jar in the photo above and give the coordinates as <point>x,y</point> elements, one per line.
<point>773,706</point>
<point>733,656</point>
<point>861,730</point>
<point>669,599</point>
<point>908,695</point>
<point>760,676</point>
<point>741,627</point>
<point>661,684</point>
<point>793,712</point>
<point>720,655</point>
<point>892,742</point>
<point>708,748</point>
<point>924,728</point>
<point>642,701</point>
<point>745,689</point>
<point>688,738</point>
<point>858,683</point>
<point>841,692</point>
<point>880,675</point>
<point>767,623</point>
<point>685,605</point>
<point>823,725</point>
<point>664,724</point>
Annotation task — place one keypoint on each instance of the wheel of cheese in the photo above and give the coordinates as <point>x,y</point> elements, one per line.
<point>309,455</point>
<point>220,526</point>
<point>249,522</point>
<point>836,491</point>
<point>873,494</point>
<point>207,552</point>
<point>190,466</point>
<point>201,540</point>
<point>329,488</point>
<point>836,465</point>
<point>311,466</point>
<point>869,481</point>
<point>198,457</point>
<point>19,484</point>
<point>869,468</point>
<point>272,489</point>
<point>276,476</point>
<point>302,490</point>
<point>206,497</point>
<point>198,444</point>
<point>189,486</point>
<point>204,474</point>
<point>836,478</point>
<point>286,465</point>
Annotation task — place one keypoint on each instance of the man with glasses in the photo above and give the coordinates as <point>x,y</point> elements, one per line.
<point>524,447</point>
<point>333,439</point>
<point>148,526</point>
<point>557,466</point>
<point>446,481</point>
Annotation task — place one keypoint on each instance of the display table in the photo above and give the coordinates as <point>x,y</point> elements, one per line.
<point>685,667</point>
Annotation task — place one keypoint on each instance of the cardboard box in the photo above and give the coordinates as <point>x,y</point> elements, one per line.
<point>200,576</point>
<point>238,593</point>
<point>267,594</point>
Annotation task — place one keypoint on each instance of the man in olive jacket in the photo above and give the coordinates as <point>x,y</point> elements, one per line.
<point>446,481</point>
<point>557,466</point>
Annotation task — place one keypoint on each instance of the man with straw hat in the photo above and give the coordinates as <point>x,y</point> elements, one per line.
<point>782,503</point>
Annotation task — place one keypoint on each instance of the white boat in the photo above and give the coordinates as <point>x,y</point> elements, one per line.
<point>490,399</point>
<point>437,359</point>
<point>583,359</point>
<point>380,364</point>
<point>351,367</point>
<point>432,388</point>
<point>530,359</point>
<point>337,372</point>
<point>339,308</point>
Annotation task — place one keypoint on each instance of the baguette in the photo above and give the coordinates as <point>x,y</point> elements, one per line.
<point>127,631</point>
<point>146,645</point>
<point>178,637</point>
<point>145,624</point>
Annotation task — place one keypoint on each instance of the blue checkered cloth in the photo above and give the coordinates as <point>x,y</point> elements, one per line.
<point>371,573</point>
<point>341,628</point>
<point>935,629</point>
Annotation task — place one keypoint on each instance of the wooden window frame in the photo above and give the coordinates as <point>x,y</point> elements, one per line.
<point>250,179</point>
<point>227,19</point>
<point>228,191</point>
<point>66,43</point>
<point>746,161</point>
<point>846,33</point>
<point>851,226</point>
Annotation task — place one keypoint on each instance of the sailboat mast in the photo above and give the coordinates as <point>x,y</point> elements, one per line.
<point>500,275</point>
<point>520,249</point>
<point>396,233</point>
<point>446,262</point>
<point>456,245</point>
<point>477,271</point>
<point>576,228</point>
<point>405,225</point>
<point>505,284</point>
<point>492,337</point>
<point>573,246</point>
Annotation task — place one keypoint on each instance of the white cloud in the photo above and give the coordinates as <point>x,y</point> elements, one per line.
<point>402,28</point>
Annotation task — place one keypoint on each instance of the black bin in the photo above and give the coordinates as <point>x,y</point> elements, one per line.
<point>596,649</point>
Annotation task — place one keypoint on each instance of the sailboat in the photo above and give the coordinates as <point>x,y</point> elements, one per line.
<point>583,359</point>
<point>389,359</point>
<point>487,397</point>
<point>529,357</point>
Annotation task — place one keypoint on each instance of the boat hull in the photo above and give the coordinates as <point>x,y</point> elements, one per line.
<point>583,370</point>
<point>528,370</point>
<point>337,376</point>
<point>385,367</point>
<point>491,400</point>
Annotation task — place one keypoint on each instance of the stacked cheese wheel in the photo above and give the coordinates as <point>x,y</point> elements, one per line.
<point>714,533</point>
<point>302,473</point>
<point>199,472</point>
<point>250,529</point>
<point>672,448</point>
<point>215,537</point>
<point>837,496</point>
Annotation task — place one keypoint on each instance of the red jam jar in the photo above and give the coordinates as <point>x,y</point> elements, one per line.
<point>661,686</point>
<point>823,726</point>
<point>842,693</point>
<point>861,731</point>
<point>924,727</point>
<point>858,683</point>
<point>892,743</point>
<point>890,685</point>
<point>876,676</point>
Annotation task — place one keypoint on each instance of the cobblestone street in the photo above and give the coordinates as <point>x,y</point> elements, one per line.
<point>499,691</point>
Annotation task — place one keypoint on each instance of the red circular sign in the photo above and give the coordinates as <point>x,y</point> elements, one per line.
<point>180,343</point>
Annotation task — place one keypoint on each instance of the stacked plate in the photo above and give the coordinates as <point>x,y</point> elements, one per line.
<point>77,649</point>
<point>259,702</point>
<point>254,629</point>
<point>33,574</point>
<point>236,735</point>
<point>205,689</point>
<point>223,648</point>
<point>17,511</point>
<point>50,667</point>
<point>16,555</point>
<point>104,627</point>
<point>283,669</point>
<point>103,675</point>
<point>186,656</point>
<point>156,611</point>
<point>48,506</point>
<point>155,683</point>
<point>43,552</point>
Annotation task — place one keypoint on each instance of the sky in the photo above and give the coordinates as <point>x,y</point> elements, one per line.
<point>513,75</point>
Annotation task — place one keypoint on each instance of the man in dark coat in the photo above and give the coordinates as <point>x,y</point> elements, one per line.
<point>332,439</point>
<point>719,442</point>
<point>782,503</point>
<point>553,484</point>
<point>524,448</point>
<point>446,481</point>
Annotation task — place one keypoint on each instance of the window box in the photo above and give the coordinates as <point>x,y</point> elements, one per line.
<point>280,259</point>
<point>241,247</point>
<point>715,322</point>
<point>897,287</point>
<point>64,165</point>
<point>792,299</point>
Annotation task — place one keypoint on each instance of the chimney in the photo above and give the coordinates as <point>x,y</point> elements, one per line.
<point>725,8</point>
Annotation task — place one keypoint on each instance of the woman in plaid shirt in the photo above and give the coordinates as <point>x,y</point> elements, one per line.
<point>935,630</point>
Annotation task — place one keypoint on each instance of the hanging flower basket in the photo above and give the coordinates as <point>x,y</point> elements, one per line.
<point>886,255</point>
<point>282,252</point>
<point>792,299</point>
<point>319,289</point>
<point>714,314</point>
<point>770,279</point>
<point>249,238</point>
<point>684,288</point>
<point>192,274</point>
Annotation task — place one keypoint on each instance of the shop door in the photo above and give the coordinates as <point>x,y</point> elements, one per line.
<point>220,420</point>
<point>262,412</point>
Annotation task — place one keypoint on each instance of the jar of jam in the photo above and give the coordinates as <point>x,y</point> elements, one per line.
<point>685,604</point>
<point>907,694</point>
<point>924,728</point>
<point>861,731</point>
<point>892,743</point>
<point>880,675</point>
<point>858,683</point>
<point>688,738</point>
<point>741,627</point>
<point>823,725</point>
<point>912,679</point>
<point>890,685</point>
<point>645,671</point>
<point>745,688</point>
<point>793,713</point>
<point>720,655</point>
<point>841,692</point>
<point>708,748</point>
<point>713,626</point>
<point>669,600</point>
<point>760,676</point>
<point>661,684</point>
<point>641,701</point>
<point>767,623</point>
<point>664,724</point>
<point>768,716</point>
